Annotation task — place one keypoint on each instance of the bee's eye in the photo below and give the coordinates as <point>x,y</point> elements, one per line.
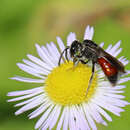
<point>75,47</point>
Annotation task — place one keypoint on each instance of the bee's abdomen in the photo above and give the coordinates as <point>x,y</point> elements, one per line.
<point>110,71</point>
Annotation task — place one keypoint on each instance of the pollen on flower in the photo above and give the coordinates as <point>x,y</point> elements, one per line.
<point>67,85</point>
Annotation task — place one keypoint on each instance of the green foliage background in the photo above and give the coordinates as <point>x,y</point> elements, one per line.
<point>26,22</point>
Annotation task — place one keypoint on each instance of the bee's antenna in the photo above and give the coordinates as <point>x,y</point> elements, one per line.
<point>65,50</point>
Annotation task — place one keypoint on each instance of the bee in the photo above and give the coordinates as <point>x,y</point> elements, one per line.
<point>87,51</point>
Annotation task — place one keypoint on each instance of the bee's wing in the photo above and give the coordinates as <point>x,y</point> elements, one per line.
<point>113,60</point>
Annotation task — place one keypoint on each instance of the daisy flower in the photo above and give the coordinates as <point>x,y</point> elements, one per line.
<point>61,98</point>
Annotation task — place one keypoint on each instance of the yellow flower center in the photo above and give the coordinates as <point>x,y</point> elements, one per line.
<point>67,85</point>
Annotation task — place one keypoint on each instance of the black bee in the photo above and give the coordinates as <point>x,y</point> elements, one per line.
<point>90,51</point>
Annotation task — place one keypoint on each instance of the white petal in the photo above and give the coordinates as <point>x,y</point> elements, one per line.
<point>29,70</point>
<point>95,114</point>
<point>66,119</point>
<point>127,72</point>
<point>57,54</point>
<point>50,118</point>
<point>102,112</point>
<point>61,45</point>
<point>113,88</point>
<point>78,122</point>
<point>117,52</point>
<point>55,118</point>
<point>89,31</point>
<point>126,62</point>
<point>82,121</point>
<point>52,53</point>
<point>114,95</point>
<point>109,48</point>
<point>39,62</point>
<point>26,96</point>
<point>124,80</point>
<point>109,107</point>
<point>109,90</point>
<point>89,118</point>
<point>114,101</point>
<point>61,119</point>
<point>72,124</point>
<point>86,34</point>
<point>44,117</point>
<point>55,50</point>
<point>122,57</point>
<point>29,80</point>
<point>18,93</point>
<point>30,105</point>
<point>37,67</point>
<point>43,56</point>
<point>28,101</point>
<point>40,110</point>
<point>45,50</point>
<point>115,47</point>
<point>123,60</point>
<point>119,87</point>
<point>101,44</point>
<point>71,37</point>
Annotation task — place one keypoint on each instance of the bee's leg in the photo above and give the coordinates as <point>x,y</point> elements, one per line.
<point>66,55</point>
<point>65,50</point>
<point>60,58</point>
<point>84,62</point>
<point>91,78</point>
<point>75,62</point>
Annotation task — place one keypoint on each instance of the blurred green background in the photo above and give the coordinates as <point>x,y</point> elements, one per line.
<point>26,22</point>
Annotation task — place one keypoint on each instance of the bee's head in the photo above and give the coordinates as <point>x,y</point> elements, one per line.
<point>75,49</point>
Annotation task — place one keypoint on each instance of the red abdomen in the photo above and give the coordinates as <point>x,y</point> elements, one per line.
<point>107,67</point>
